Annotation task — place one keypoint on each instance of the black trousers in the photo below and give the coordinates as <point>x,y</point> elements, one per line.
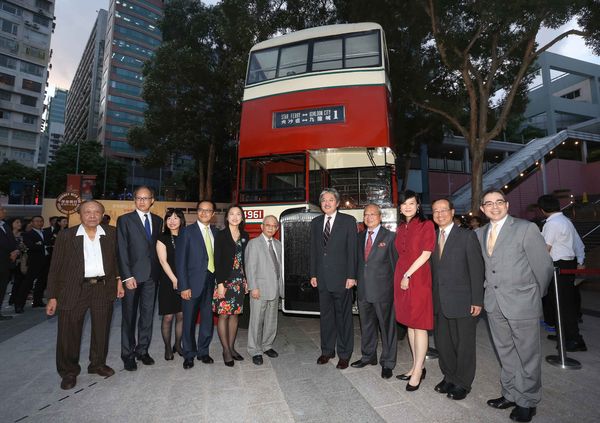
<point>337,327</point>
<point>140,299</point>
<point>4,278</point>
<point>569,302</point>
<point>70,329</point>
<point>37,273</point>
<point>191,308</point>
<point>455,342</point>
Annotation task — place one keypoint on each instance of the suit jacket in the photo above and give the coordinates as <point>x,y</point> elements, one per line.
<point>8,244</point>
<point>36,250</point>
<point>457,277</point>
<point>191,259</point>
<point>137,256</point>
<point>333,264</point>
<point>260,271</point>
<point>518,272</point>
<point>67,268</point>
<point>376,275</point>
<point>225,252</point>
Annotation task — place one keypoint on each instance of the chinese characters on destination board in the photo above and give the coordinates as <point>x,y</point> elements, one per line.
<point>317,116</point>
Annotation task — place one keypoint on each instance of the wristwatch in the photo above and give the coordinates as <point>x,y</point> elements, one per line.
<point>407,276</point>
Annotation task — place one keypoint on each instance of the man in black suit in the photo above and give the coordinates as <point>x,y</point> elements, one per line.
<point>8,254</point>
<point>137,233</point>
<point>376,258</point>
<point>457,281</point>
<point>333,249</point>
<point>38,262</point>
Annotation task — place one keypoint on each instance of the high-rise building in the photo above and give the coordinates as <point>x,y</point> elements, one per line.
<point>26,28</point>
<point>53,135</point>
<point>132,36</point>
<point>83,104</point>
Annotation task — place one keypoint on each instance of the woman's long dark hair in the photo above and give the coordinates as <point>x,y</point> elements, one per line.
<point>169,213</point>
<point>403,196</point>
<point>243,222</point>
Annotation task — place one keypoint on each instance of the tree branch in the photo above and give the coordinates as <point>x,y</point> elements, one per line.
<point>559,38</point>
<point>446,115</point>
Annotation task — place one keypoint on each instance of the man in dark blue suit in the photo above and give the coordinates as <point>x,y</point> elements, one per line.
<point>8,254</point>
<point>333,241</point>
<point>139,268</point>
<point>195,266</point>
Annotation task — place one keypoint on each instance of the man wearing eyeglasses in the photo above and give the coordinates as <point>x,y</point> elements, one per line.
<point>195,264</point>
<point>137,233</point>
<point>518,270</point>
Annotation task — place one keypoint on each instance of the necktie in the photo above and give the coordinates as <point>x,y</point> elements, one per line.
<point>2,226</point>
<point>369,245</point>
<point>492,239</point>
<point>209,250</point>
<point>327,231</point>
<point>274,258</point>
<point>147,228</point>
<point>442,241</point>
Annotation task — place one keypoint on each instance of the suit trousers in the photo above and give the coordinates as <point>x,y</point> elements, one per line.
<point>569,302</point>
<point>70,329</point>
<point>375,318</point>
<point>203,305</point>
<point>455,342</point>
<point>262,327</point>
<point>518,346</point>
<point>37,273</point>
<point>4,278</point>
<point>336,323</point>
<point>141,298</point>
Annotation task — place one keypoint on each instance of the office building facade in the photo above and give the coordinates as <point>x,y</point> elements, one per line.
<point>53,136</point>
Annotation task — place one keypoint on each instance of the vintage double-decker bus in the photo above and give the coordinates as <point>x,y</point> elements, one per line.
<point>315,114</point>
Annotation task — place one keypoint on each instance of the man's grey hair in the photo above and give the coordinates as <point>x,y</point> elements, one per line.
<point>332,191</point>
<point>89,202</point>
<point>270,217</point>
<point>376,207</point>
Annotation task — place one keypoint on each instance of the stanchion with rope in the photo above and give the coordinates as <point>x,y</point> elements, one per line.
<point>561,360</point>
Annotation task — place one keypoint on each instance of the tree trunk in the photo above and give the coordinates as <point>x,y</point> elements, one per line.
<point>201,181</point>
<point>406,172</point>
<point>477,151</point>
<point>210,170</point>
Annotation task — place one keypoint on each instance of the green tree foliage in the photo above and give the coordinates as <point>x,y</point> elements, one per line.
<point>11,170</point>
<point>91,162</point>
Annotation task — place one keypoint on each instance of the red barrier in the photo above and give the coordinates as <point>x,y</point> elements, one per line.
<point>580,271</point>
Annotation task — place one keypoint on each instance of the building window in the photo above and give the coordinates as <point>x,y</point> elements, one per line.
<point>35,52</point>
<point>124,117</point>
<point>41,20</point>
<point>27,100</point>
<point>572,94</point>
<point>134,48</point>
<point>9,45</point>
<point>32,69</point>
<point>7,7</point>
<point>127,60</point>
<point>36,37</point>
<point>5,95</point>
<point>8,62</point>
<point>43,4</point>
<point>140,23</point>
<point>4,114</point>
<point>126,88</point>
<point>24,136</point>
<point>139,10</point>
<point>7,79</point>
<point>9,27</point>
<point>29,119</point>
<point>31,85</point>
<point>137,35</point>
<point>128,103</point>
<point>125,73</point>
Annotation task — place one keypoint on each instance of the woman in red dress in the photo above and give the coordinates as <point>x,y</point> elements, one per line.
<point>415,240</point>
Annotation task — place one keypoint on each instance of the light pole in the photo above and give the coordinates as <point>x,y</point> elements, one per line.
<point>132,174</point>
<point>77,161</point>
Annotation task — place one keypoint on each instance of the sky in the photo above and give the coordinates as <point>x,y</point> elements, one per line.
<point>75,19</point>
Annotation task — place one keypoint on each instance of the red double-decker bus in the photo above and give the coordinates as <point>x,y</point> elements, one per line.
<point>315,114</point>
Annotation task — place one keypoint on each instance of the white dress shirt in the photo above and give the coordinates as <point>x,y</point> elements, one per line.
<point>142,216</point>
<point>203,227</point>
<point>560,234</point>
<point>330,221</point>
<point>92,252</point>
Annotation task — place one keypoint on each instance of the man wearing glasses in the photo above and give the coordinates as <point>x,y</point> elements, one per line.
<point>195,264</point>
<point>518,270</point>
<point>139,268</point>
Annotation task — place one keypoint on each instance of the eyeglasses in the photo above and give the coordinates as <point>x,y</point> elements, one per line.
<point>497,203</point>
<point>205,210</point>
<point>143,198</point>
<point>271,226</point>
<point>444,211</point>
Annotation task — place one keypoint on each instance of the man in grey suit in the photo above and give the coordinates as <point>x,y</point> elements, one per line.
<point>518,270</point>
<point>376,259</point>
<point>137,233</point>
<point>457,280</point>
<point>333,270</point>
<point>263,273</point>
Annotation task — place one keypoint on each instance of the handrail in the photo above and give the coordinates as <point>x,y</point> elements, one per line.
<point>597,226</point>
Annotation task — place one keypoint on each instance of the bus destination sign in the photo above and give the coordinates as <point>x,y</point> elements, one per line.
<point>306,117</point>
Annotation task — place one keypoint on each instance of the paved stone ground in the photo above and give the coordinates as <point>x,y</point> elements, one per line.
<point>290,388</point>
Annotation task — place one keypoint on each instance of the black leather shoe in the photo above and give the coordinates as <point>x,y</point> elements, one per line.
<point>324,359</point>
<point>271,353</point>
<point>19,310</point>
<point>407,377</point>
<point>206,359</point>
<point>68,382</point>
<point>342,364</point>
<point>552,337</point>
<point>257,359</point>
<point>457,393</point>
<point>522,414</point>
<point>432,354</point>
<point>500,403</point>
<point>386,373</point>
<point>359,364</point>
<point>411,388</point>
<point>574,346</point>
<point>188,363</point>
<point>237,356</point>
<point>103,371</point>
<point>130,364</point>
<point>444,387</point>
<point>146,359</point>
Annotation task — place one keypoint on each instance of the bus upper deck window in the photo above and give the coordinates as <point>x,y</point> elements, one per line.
<point>293,60</point>
<point>327,55</point>
<point>362,51</point>
<point>262,66</point>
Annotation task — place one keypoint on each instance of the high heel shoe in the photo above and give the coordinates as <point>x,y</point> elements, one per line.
<point>237,356</point>
<point>168,354</point>
<point>228,363</point>
<point>411,388</point>
<point>179,351</point>
<point>407,377</point>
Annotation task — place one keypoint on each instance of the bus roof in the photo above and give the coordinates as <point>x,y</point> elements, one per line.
<point>316,32</point>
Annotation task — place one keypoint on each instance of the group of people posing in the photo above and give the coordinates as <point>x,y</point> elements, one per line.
<point>422,277</point>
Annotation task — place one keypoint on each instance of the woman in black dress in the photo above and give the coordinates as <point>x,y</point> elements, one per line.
<point>169,301</point>
<point>230,280</point>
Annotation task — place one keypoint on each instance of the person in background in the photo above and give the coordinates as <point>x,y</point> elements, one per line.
<point>8,255</point>
<point>106,220</point>
<point>230,279</point>
<point>475,222</point>
<point>17,275</point>
<point>169,300</point>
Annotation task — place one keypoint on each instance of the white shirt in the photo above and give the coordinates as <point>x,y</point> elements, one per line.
<point>270,239</point>
<point>447,230</point>
<point>373,236</point>
<point>92,252</point>
<point>142,216</point>
<point>203,227</point>
<point>560,234</point>
<point>330,220</point>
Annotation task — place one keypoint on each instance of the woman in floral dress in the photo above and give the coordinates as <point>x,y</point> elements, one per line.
<point>230,280</point>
